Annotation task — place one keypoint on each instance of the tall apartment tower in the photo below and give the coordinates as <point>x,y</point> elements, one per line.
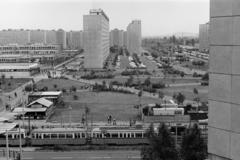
<point>116,37</point>
<point>61,38</point>
<point>204,37</point>
<point>134,37</point>
<point>96,38</point>
<point>38,36</point>
<point>224,89</point>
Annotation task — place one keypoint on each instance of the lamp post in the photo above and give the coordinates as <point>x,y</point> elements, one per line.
<point>70,108</point>
<point>7,147</point>
<point>20,142</point>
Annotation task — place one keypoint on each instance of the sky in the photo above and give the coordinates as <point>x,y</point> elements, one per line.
<point>159,17</point>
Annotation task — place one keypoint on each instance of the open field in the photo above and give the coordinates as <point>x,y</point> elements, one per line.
<point>9,84</point>
<point>102,104</point>
<point>188,91</point>
<point>61,83</point>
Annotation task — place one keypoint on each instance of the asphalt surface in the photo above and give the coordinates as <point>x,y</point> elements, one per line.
<point>83,155</point>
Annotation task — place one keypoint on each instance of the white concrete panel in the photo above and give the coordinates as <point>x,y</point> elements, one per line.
<point>219,142</point>
<point>220,8</point>
<point>221,59</point>
<point>221,31</point>
<point>220,87</point>
<point>220,115</point>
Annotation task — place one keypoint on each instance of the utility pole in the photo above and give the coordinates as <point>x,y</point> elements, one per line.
<point>20,142</point>
<point>7,147</point>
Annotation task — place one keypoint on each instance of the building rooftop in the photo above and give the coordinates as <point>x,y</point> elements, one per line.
<point>47,93</point>
<point>6,127</point>
<point>60,130</point>
<point>42,101</point>
<point>18,65</point>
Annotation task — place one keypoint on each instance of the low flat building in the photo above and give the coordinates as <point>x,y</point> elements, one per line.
<point>38,109</point>
<point>54,96</point>
<point>19,70</point>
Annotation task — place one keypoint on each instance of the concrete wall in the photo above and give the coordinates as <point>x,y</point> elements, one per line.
<point>224,89</point>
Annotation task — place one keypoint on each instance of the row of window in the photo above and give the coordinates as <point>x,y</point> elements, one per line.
<point>58,135</point>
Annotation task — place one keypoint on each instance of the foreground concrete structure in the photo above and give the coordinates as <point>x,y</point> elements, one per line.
<point>224,90</point>
<point>96,38</point>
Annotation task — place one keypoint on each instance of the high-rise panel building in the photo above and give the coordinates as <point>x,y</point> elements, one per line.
<point>125,38</point>
<point>116,37</point>
<point>51,37</point>
<point>75,39</point>
<point>96,38</point>
<point>10,36</point>
<point>61,38</point>
<point>38,36</point>
<point>134,37</point>
<point>204,37</point>
<point>224,89</point>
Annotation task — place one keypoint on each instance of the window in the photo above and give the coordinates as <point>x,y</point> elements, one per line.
<point>138,135</point>
<point>69,135</point>
<point>61,135</point>
<point>54,136</point>
<point>46,135</point>
<point>83,135</point>
<point>114,135</point>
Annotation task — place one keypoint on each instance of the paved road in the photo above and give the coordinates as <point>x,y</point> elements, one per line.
<point>83,155</point>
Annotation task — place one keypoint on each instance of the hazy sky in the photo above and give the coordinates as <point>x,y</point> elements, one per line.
<point>159,17</point>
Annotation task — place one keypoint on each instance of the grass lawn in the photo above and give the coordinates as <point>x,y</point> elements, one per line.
<point>61,83</point>
<point>205,67</point>
<point>8,84</point>
<point>101,104</point>
<point>123,79</point>
<point>188,91</point>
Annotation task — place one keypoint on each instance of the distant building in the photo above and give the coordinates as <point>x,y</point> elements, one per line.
<point>14,37</point>
<point>19,70</point>
<point>116,37</point>
<point>29,53</point>
<point>61,38</point>
<point>75,40</point>
<point>51,37</point>
<point>134,37</point>
<point>38,109</point>
<point>38,36</point>
<point>204,37</point>
<point>96,38</point>
<point>125,38</point>
<point>54,96</point>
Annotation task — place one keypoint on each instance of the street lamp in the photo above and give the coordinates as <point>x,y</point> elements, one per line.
<point>70,108</point>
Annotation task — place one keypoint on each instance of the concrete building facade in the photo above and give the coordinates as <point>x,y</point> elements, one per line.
<point>14,37</point>
<point>61,38</point>
<point>134,37</point>
<point>125,38</point>
<point>224,89</point>
<point>75,39</point>
<point>96,38</point>
<point>116,37</point>
<point>204,37</point>
<point>38,36</point>
<point>51,37</point>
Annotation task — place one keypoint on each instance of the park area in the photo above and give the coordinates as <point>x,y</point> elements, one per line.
<point>101,105</point>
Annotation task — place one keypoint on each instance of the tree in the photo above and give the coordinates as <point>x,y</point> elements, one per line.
<point>55,86</point>
<point>3,78</point>
<point>75,97</point>
<point>160,94</point>
<point>147,81</point>
<point>180,98</point>
<point>129,80</point>
<point>182,74</point>
<point>195,91</point>
<point>161,145</point>
<point>205,77</point>
<point>193,145</point>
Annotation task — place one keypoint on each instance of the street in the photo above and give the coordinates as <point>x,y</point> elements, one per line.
<point>83,155</point>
